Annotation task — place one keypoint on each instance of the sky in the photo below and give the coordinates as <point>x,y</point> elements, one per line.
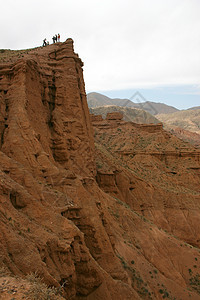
<point>150,46</point>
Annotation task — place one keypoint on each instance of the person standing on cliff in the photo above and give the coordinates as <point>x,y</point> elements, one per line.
<point>53,38</point>
<point>58,37</point>
<point>44,42</point>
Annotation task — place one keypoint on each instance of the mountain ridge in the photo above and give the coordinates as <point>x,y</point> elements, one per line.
<point>130,114</point>
<point>96,99</point>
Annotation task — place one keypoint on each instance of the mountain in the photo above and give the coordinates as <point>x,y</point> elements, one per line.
<point>96,99</point>
<point>194,108</point>
<point>129,114</point>
<point>186,119</point>
<point>90,208</point>
<point>155,108</point>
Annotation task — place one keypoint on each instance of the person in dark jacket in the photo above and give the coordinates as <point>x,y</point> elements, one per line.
<point>44,42</point>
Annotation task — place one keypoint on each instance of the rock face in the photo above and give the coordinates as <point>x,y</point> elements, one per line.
<point>96,118</point>
<point>157,176</point>
<point>185,135</point>
<point>153,172</point>
<point>113,222</point>
<point>50,222</point>
<point>114,116</point>
<point>43,99</point>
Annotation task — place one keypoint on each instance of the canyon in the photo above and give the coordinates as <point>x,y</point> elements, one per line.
<point>98,208</point>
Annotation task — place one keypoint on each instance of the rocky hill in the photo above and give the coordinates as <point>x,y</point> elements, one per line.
<point>186,119</point>
<point>186,135</point>
<point>184,124</point>
<point>129,114</point>
<point>95,100</point>
<point>115,217</point>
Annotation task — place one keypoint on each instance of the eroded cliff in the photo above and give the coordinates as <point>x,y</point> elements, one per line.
<point>96,234</point>
<point>50,223</point>
<point>151,170</point>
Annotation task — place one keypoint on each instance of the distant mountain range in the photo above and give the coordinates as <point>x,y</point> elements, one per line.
<point>96,100</point>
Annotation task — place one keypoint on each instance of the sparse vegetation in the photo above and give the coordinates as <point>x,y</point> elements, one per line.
<point>137,281</point>
<point>195,283</point>
<point>39,290</point>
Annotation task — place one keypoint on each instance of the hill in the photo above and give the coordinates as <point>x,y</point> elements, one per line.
<point>186,119</point>
<point>129,114</point>
<point>96,99</point>
<point>194,108</point>
<point>186,135</point>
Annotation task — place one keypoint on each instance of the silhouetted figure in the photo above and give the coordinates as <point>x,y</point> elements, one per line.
<point>44,42</point>
<point>54,39</point>
<point>59,37</point>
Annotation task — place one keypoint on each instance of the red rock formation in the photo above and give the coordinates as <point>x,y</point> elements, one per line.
<point>186,135</point>
<point>46,144</point>
<point>43,98</point>
<point>114,116</point>
<point>57,221</point>
<point>153,172</point>
<point>96,118</point>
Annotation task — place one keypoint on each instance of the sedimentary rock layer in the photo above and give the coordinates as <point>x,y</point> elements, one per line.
<point>98,223</point>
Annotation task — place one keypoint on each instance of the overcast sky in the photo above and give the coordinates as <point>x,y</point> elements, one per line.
<point>126,45</point>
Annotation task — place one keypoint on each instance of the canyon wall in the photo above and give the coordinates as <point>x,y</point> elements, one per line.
<point>111,218</point>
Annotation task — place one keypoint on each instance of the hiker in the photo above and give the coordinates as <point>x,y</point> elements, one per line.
<point>53,38</point>
<point>44,42</point>
<point>58,37</point>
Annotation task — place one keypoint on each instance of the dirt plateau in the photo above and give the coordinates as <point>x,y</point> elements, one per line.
<point>105,209</point>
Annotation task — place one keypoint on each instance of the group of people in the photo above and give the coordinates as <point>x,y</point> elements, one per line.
<point>55,38</point>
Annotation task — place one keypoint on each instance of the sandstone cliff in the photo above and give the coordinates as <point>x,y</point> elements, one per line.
<point>50,222</point>
<point>115,222</point>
